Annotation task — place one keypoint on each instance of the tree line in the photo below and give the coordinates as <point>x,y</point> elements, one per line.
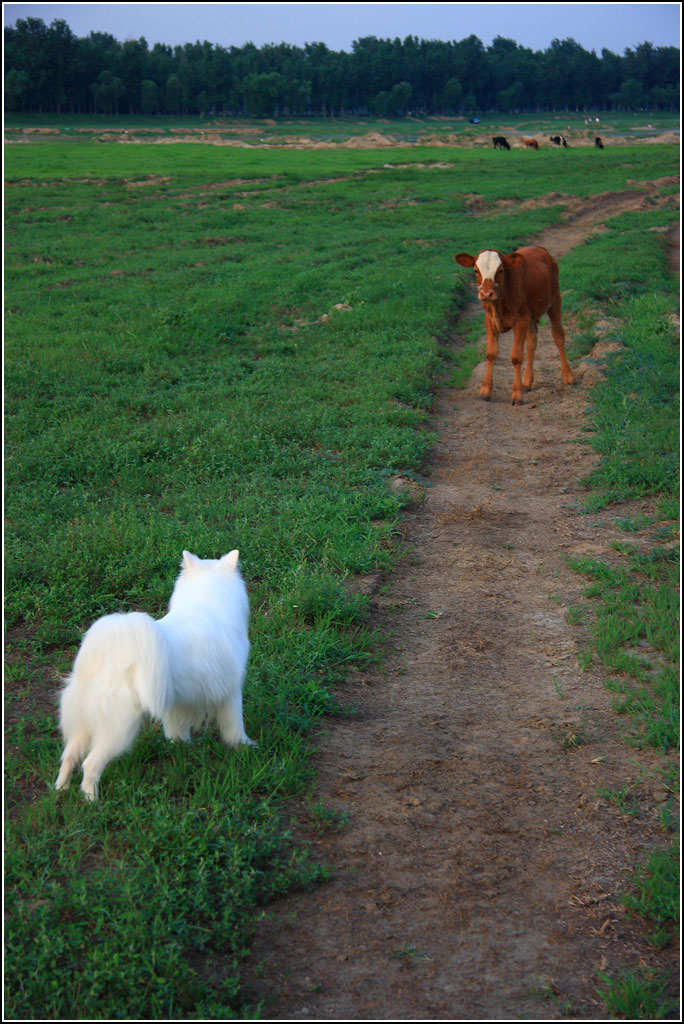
<point>48,69</point>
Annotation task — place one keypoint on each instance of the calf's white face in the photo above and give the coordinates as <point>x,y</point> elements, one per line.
<point>489,269</point>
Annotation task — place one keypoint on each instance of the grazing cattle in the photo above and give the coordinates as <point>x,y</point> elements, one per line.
<point>598,143</point>
<point>516,290</point>
<point>558,140</point>
<point>500,142</point>
<point>529,143</point>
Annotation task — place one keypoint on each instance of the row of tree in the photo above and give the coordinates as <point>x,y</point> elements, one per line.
<point>49,69</point>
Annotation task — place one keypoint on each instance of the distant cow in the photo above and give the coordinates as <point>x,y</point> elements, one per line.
<point>558,140</point>
<point>598,143</point>
<point>516,290</point>
<point>529,143</point>
<point>500,142</point>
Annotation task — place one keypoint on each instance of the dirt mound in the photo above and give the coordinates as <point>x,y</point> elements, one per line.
<point>372,140</point>
<point>667,138</point>
<point>222,134</point>
<point>477,876</point>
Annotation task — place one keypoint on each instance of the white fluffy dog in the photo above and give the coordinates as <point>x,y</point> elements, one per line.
<point>182,670</point>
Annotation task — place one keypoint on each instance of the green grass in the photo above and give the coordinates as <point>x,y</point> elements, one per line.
<point>635,635</point>
<point>655,894</point>
<point>634,428</point>
<point>178,376</point>
<point>633,596</point>
<point>132,907</point>
<point>638,994</point>
<point>634,420</point>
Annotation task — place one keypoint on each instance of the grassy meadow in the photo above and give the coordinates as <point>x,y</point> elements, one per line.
<point>212,347</point>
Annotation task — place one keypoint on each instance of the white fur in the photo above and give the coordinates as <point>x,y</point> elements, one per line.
<point>488,262</point>
<point>182,670</point>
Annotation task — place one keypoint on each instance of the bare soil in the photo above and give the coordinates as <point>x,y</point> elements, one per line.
<point>479,872</point>
<point>256,136</point>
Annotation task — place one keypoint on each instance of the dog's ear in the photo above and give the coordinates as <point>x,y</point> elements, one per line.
<point>230,560</point>
<point>190,561</point>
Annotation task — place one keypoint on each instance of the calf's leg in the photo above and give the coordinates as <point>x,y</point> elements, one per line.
<point>558,335</point>
<point>520,330</point>
<point>531,348</point>
<point>492,352</point>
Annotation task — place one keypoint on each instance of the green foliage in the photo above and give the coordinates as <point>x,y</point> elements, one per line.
<point>656,894</point>
<point>632,267</point>
<point>174,890</point>
<point>639,994</point>
<point>634,414</point>
<point>638,438</point>
<point>325,819</point>
<point>461,75</point>
<point>202,364</point>
<point>208,348</point>
<point>635,633</point>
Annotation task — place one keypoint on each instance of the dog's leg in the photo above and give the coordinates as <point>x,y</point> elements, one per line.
<point>231,727</point>
<point>177,723</point>
<point>73,754</point>
<point>93,766</point>
<point>124,726</point>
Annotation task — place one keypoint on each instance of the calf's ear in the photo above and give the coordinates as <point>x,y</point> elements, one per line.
<point>513,259</point>
<point>465,260</point>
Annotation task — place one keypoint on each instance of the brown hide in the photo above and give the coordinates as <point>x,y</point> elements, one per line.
<point>524,289</point>
<point>530,285</point>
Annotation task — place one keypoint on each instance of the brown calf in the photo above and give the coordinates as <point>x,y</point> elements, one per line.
<point>529,144</point>
<point>516,290</point>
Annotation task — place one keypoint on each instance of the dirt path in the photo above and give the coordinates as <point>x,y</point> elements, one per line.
<point>479,868</point>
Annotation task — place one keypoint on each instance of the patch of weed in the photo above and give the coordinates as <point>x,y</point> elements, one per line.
<point>655,894</point>
<point>639,994</point>
<point>325,819</point>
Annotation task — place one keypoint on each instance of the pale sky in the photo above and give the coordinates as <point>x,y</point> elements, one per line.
<point>614,26</point>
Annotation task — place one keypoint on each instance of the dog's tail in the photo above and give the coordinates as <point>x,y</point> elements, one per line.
<point>124,654</point>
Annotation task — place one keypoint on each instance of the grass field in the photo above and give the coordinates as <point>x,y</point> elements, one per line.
<point>210,348</point>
